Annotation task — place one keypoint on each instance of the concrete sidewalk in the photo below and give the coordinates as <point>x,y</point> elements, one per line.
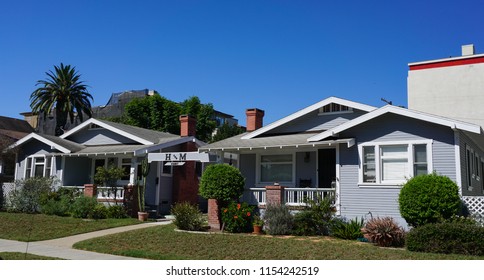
<point>62,247</point>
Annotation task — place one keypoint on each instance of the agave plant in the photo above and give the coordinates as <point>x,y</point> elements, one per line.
<point>384,232</point>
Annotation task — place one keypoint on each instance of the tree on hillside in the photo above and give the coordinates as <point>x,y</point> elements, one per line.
<point>203,113</point>
<point>227,131</point>
<point>64,92</point>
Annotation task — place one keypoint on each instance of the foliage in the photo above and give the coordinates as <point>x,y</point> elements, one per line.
<point>222,182</point>
<point>429,198</point>
<point>384,232</point>
<point>145,170</point>
<point>258,221</point>
<point>187,216</point>
<point>99,212</point>
<point>58,202</point>
<point>278,220</point>
<point>108,177</point>
<point>158,113</point>
<point>350,230</point>
<point>116,212</point>
<point>226,131</point>
<point>455,237</point>
<point>64,92</point>
<point>237,217</point>
<point>316,218</point>
<point>26,196</point>
<point>83,207</point>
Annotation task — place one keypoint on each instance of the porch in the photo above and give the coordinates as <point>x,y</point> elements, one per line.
<point>288,196</point>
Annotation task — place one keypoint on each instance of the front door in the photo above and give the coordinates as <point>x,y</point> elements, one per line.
<point>326,167</point>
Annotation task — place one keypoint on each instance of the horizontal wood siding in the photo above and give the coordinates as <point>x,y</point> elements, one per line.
<point>359,201</point>
<point>99,136</point>
<point>315,122</point>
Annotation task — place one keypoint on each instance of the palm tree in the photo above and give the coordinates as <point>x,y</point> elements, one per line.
<point>63,91</point>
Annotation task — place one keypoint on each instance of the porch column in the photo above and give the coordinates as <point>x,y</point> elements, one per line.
<point>275,194</point>
<point>214,220</point>
<point>131,200</point>
<point>90,190</point>
<point>133,171</point>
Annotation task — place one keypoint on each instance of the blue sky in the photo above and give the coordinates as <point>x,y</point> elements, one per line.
<point>279,56</point>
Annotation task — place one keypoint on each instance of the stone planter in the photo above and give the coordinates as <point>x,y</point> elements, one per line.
<point>143,216</point>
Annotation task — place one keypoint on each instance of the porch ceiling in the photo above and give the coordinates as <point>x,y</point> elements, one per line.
<point>280,141</point>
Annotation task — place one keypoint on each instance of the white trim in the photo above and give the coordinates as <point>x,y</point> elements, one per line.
<point>176,141</point>
<point>379,182</point>
<point>337,191</point>
<point>446,59</point>
<point>458,171</point>
<point>41,139</point>
<point>307,110</point>
<point>108,127</point>
<point>453,124</point>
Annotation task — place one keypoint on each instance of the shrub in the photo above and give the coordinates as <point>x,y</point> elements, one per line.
<point>237,217</point>
<point>316,218</point>
<point>26,196</point>
<point>347,230</point>
<point>384,232</point>
<point>453,237</point>
<point>187,216</point>
<point>99,212</point>
<point>278,220</point>
<point>429,198</point>
<point>58,202</point>
<point>116,212</point>
<point>222,182</point>
<point>83,207</point>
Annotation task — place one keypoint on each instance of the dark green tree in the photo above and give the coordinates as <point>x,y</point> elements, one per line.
<point>64,92</point>
<point>227,131</point>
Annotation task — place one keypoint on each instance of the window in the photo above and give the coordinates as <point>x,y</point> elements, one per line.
<point>334,107</point>
<point>126,166</point>
<point>38,167</point>
<point>393,163</point>
<point>276,168</point>
<point>474,168</point>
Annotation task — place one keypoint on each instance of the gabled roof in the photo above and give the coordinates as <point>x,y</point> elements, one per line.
<point>63,145</point>
<point>137,134</point>
<point>308,110</point>
<point>453,124</point>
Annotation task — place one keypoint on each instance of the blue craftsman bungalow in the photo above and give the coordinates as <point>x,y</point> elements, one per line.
<point>361,153</point>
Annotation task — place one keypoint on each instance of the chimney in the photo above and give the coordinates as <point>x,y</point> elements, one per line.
<point>188,126</point>
<point>468,50</point>
<point>254,119</point>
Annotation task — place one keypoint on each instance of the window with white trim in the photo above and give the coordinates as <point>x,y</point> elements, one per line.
<point>126,166</point>
<point>393,163</point>
<point>276,168</point>
<point>38,166</point>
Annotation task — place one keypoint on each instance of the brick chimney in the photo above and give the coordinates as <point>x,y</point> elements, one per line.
<point>254,119</point>
<point>188,125</point>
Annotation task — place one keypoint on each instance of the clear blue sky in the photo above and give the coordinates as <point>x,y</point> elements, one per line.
<point>279,56</point>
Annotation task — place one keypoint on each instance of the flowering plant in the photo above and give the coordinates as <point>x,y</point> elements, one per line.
<point>237,217</point>
<point>258,221</point>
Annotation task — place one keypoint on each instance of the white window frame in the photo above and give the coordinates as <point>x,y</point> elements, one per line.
<point>378,162</point>
<point>33,163</point>
<point>293,167</point>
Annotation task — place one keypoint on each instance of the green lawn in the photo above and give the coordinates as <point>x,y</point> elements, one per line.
<point>163,242</point>
<point>36,227</point>
<point>23,256</point>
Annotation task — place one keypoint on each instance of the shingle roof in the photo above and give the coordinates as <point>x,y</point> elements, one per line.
<point>72,146</point>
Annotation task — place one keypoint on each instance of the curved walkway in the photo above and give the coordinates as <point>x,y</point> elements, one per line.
<point>62,247</point>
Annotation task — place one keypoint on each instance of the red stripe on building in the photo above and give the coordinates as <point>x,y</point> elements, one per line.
<point>448,63</point>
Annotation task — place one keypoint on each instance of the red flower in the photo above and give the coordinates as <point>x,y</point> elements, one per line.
<point>248,214</point>
<point>225,210</point>
<point>238,206</point>
<point>235,217</point>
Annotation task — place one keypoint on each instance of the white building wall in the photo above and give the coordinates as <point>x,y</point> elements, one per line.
<point>451,91</point>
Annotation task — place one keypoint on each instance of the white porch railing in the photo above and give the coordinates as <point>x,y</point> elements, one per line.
<point>297,196</point>
<point>292,196</point>
<point>108,194</point>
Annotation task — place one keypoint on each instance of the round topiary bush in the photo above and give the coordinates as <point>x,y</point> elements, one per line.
<point>429,198</point>
<point>222,182</point>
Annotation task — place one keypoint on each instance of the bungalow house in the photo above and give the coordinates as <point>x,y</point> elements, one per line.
<point>74,156</point>
<point>361,153</point>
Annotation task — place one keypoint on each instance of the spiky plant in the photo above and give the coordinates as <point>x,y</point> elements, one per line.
<point>384,232</point>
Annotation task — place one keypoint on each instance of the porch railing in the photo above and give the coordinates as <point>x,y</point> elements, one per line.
<point>104,194</point>
<point>292,196</point>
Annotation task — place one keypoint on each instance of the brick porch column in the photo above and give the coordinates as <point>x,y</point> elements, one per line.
<point>131,200</point>
<point>214,220</point>
<point>274,194</point>
<point>90,190</point>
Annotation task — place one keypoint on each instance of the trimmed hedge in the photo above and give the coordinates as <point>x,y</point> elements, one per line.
<point>429,198</point>
<point>222,182</point>
<point>447,238</point>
